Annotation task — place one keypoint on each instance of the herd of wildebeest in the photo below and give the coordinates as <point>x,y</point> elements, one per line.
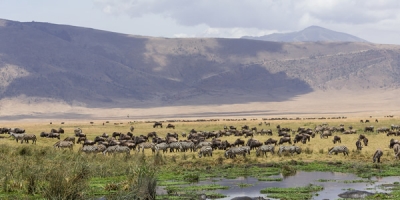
<point>205,142</point>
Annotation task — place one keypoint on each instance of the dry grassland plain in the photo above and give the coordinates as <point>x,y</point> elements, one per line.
<point>317,148</point>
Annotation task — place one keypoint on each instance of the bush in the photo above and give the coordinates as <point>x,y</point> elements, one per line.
<point>66,183</point>
<point>220,160</point>
<point>184,156</point>
<point>307,150</point>
<point>173,158</point>
<point>288,170</point>
<point>321,151</point>
<point>142,183</point>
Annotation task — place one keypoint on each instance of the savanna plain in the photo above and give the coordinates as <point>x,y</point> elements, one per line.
<point>41,171</point>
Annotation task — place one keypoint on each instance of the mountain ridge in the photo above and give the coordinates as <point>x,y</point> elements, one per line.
<point>309,34</point>
<point>105,69</point>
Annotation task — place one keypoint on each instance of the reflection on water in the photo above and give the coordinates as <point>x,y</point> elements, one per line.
<point>334,185</point>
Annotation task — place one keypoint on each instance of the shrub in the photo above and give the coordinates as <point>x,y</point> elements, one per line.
<point>184,156</point>
<point>307,150</point>
<point>66,183</point>
<point>173,158</point>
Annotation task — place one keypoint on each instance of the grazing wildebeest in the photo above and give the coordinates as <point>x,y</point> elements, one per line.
<point>88,142</point>
<point>393,142</point>
<point>54,135</point>
<point>271,141</point>
<point>358,144</point>
<point>152,134</point>
<point>238,142</point>
<point>325,134</point>
<point>254,144</point>
<point>365,141</point>
<point>70,139</point>
<point>116,134</point>
<point>60,130</point>
<point>157,124</point>
<point>170,126</point>
<point>336,139</point>
<point>44,134</point>
<point>284,140</point>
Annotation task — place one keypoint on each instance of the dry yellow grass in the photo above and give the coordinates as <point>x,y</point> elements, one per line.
<point>318,146</point>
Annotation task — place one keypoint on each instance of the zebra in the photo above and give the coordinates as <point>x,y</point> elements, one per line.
<point>93,149</point>
<point>325,134</point>
<point>162,146</point>
<point>101,148</point>
<point>28,137</point>
<point>63,144</point>
<point>290,149</point>
<point>339,149</point>
<point>396,149</point>
<point>175,146</point>
<point>146,145</point>
<point>264,149</point>
<point>117,149</point>
<point>89,149</point>
<point>201,144</point>
<point>246,149</point>
<point>205,151</point>
<point>377,155</point>
<point>17,136</point>
<point>232,152</point>
<point>187,145</point>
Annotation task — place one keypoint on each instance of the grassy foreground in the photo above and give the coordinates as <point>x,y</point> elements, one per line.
<point>42,172</point>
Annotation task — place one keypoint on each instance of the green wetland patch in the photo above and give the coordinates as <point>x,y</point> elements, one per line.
<point>292,192</point>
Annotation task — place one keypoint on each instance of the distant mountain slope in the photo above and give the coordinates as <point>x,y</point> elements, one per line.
<point>310,34</point>
<point>105,69</point>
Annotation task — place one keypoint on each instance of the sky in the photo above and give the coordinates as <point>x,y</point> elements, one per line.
<point>377,21</point>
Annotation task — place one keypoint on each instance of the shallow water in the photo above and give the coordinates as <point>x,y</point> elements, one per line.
<point>301,178</point>
<point>334,186</point>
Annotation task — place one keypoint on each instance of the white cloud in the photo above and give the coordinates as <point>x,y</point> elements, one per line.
<point>269,14</point>
<point>227,18</point>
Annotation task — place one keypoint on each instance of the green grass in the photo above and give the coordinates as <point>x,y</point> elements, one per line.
<point>293,192</point>
<point>269,179</point>
<point>244,185</point>
<point>198,187</point>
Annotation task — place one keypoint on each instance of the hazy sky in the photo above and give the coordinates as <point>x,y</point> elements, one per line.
<point>377,21</point>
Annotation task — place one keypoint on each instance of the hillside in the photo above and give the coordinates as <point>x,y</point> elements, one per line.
<point>309,34</point>
<point>42,62</point>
